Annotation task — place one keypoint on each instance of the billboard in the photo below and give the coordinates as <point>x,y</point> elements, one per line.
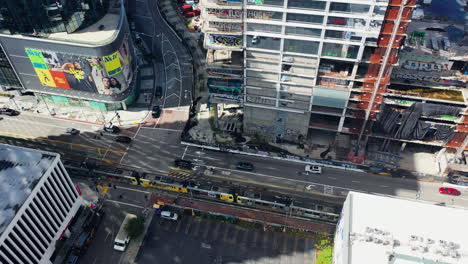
<point>424,63</point>
<point>109,75</point>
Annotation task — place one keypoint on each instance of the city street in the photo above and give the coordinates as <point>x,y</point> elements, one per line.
<point>196,240</point>
<point>155,149</point>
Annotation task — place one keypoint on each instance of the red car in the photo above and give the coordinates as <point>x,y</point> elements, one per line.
<point>449,191</point>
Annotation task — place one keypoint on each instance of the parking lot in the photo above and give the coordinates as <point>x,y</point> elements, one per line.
<point>197,240</point>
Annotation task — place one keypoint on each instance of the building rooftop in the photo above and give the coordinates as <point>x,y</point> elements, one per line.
<point>20,170</point>
<point>101,32</point>
<point>401,231</point>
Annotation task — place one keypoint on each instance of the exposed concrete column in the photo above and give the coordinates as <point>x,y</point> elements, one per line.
<point>124,106</point>
<point>215,118</point>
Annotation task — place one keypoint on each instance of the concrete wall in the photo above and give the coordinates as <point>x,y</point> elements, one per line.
<point>269,123</point>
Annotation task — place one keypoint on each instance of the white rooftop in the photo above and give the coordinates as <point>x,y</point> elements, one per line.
<point>399,231</point>
<point>20,170</point>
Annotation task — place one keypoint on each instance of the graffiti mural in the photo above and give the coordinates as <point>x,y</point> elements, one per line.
<point>231,87</point>
<point>258,14</point>
<point>226,40</point>
<point>223,26</point>
<point>425,64</point>
<point>225,13</point>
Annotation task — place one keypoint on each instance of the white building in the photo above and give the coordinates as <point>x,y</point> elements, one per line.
<point>37,201</point>
<point>377,229</point>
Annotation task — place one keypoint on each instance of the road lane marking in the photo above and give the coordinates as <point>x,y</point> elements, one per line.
<point>234,236</point>
<point>130,189</point>
<point>185,151</point>
<point>296,238</point>
<point>216,230</point>
<point>254,242</point>
<point>179,224</point>
<point>331,178</point>
<point>356,181</point>
<point>384,186</point>
<point>129,204</point>
<point>187,227</point>
<point>58,141</point>
<point>226,234</point>
<point>205,233</point>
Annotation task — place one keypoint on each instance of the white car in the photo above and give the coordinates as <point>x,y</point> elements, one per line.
<point>169,215</point>
<point>313,169</point>
<point>254,39</point>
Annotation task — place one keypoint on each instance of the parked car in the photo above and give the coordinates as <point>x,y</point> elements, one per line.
<point>156,112</point>
<point>132,26</point>
<point>449,191</point>
<point>123,139</point>
<point>254,39</point>
<point>169,215</point>
<point>184,164</point>
<point>158,92</point>
<point>72,131</point>
<point>241,165</point>
<point>8,112</point>
<point>313,169</point>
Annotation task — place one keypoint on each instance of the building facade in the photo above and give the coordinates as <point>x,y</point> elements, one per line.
<point>68,52</point>
<point>310,67</point>
<point>38,202</point>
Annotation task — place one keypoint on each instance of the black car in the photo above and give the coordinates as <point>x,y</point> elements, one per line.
<point>158,92</point>
<point>244,166</point>
<point>156,112</point>
<point>185,164</point>
<point>112,129</point>
<point>123,139</point>
<point>8,111</point>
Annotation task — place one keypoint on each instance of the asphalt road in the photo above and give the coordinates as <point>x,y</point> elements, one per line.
<point>156,149</point>
<point>196,240</point>
<point>172,62</point>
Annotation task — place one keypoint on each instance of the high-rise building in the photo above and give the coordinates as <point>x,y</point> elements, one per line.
<point>302,69</point>
<point>386,230</point>
<point>37,202</point>
<point>69,53</point>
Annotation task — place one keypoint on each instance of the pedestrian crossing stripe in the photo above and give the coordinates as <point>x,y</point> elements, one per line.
<point>178,174</point>
<point>182,170</point>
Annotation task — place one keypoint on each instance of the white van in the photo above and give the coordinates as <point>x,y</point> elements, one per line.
<point>122,239</point>
<point>169,215</point>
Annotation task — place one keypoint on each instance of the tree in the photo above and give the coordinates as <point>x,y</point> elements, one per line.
<point>324,251</point>
<point>135,227</point>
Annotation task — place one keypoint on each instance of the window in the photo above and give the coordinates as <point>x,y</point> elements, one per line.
<point>356,23</point>
<point>336,50</point>
<point>301,46</point>
<point>310,4</point>
<point>349,8</point>
<point>263,28</point>
<point>266,2</point>
<point>304,18</point>
<point>347,35</point>
<point>260,42</point>
<point>303,31</point>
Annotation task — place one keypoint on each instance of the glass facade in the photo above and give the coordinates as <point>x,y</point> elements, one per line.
<point>315,32</point>
<point>311,4</point>
<point>349,8</point>
<point>8,77</point>
<point>302,18</point>
<point>301,46</point>
<point>49,16</point>
<point>264,28</point>
<point>266,2</point>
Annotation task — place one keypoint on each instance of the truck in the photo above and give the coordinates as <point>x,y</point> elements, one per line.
<point>122,239</point>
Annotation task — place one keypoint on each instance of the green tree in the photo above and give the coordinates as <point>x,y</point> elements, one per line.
<point>135,227</point>
<point>324,251</point>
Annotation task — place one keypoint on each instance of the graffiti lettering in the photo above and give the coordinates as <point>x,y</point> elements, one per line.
<point>225,13</point>
<point>425,66</point>
<point>257,14</point>
<point>226,40</point>
<point>417,77</point>
<point>223,26</point>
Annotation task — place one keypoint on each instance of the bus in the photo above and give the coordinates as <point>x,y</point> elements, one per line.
<point>122,239</point>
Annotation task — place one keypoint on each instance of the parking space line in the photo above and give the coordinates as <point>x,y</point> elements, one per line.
<point>244,237</point>
<point>187,227</point>
<point>205,233</point>
<point>134,205</point>
<point>197,227</point>
<point>254,242</point>
<point>284,249</point>
<point>234,236</point>
<point>275,238</point>
<point>265,239</point>
<point>179,224</point>
<point>216,230</point>
<point>226,233</point>
<point>306,250</point>
<point>296,238</point>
